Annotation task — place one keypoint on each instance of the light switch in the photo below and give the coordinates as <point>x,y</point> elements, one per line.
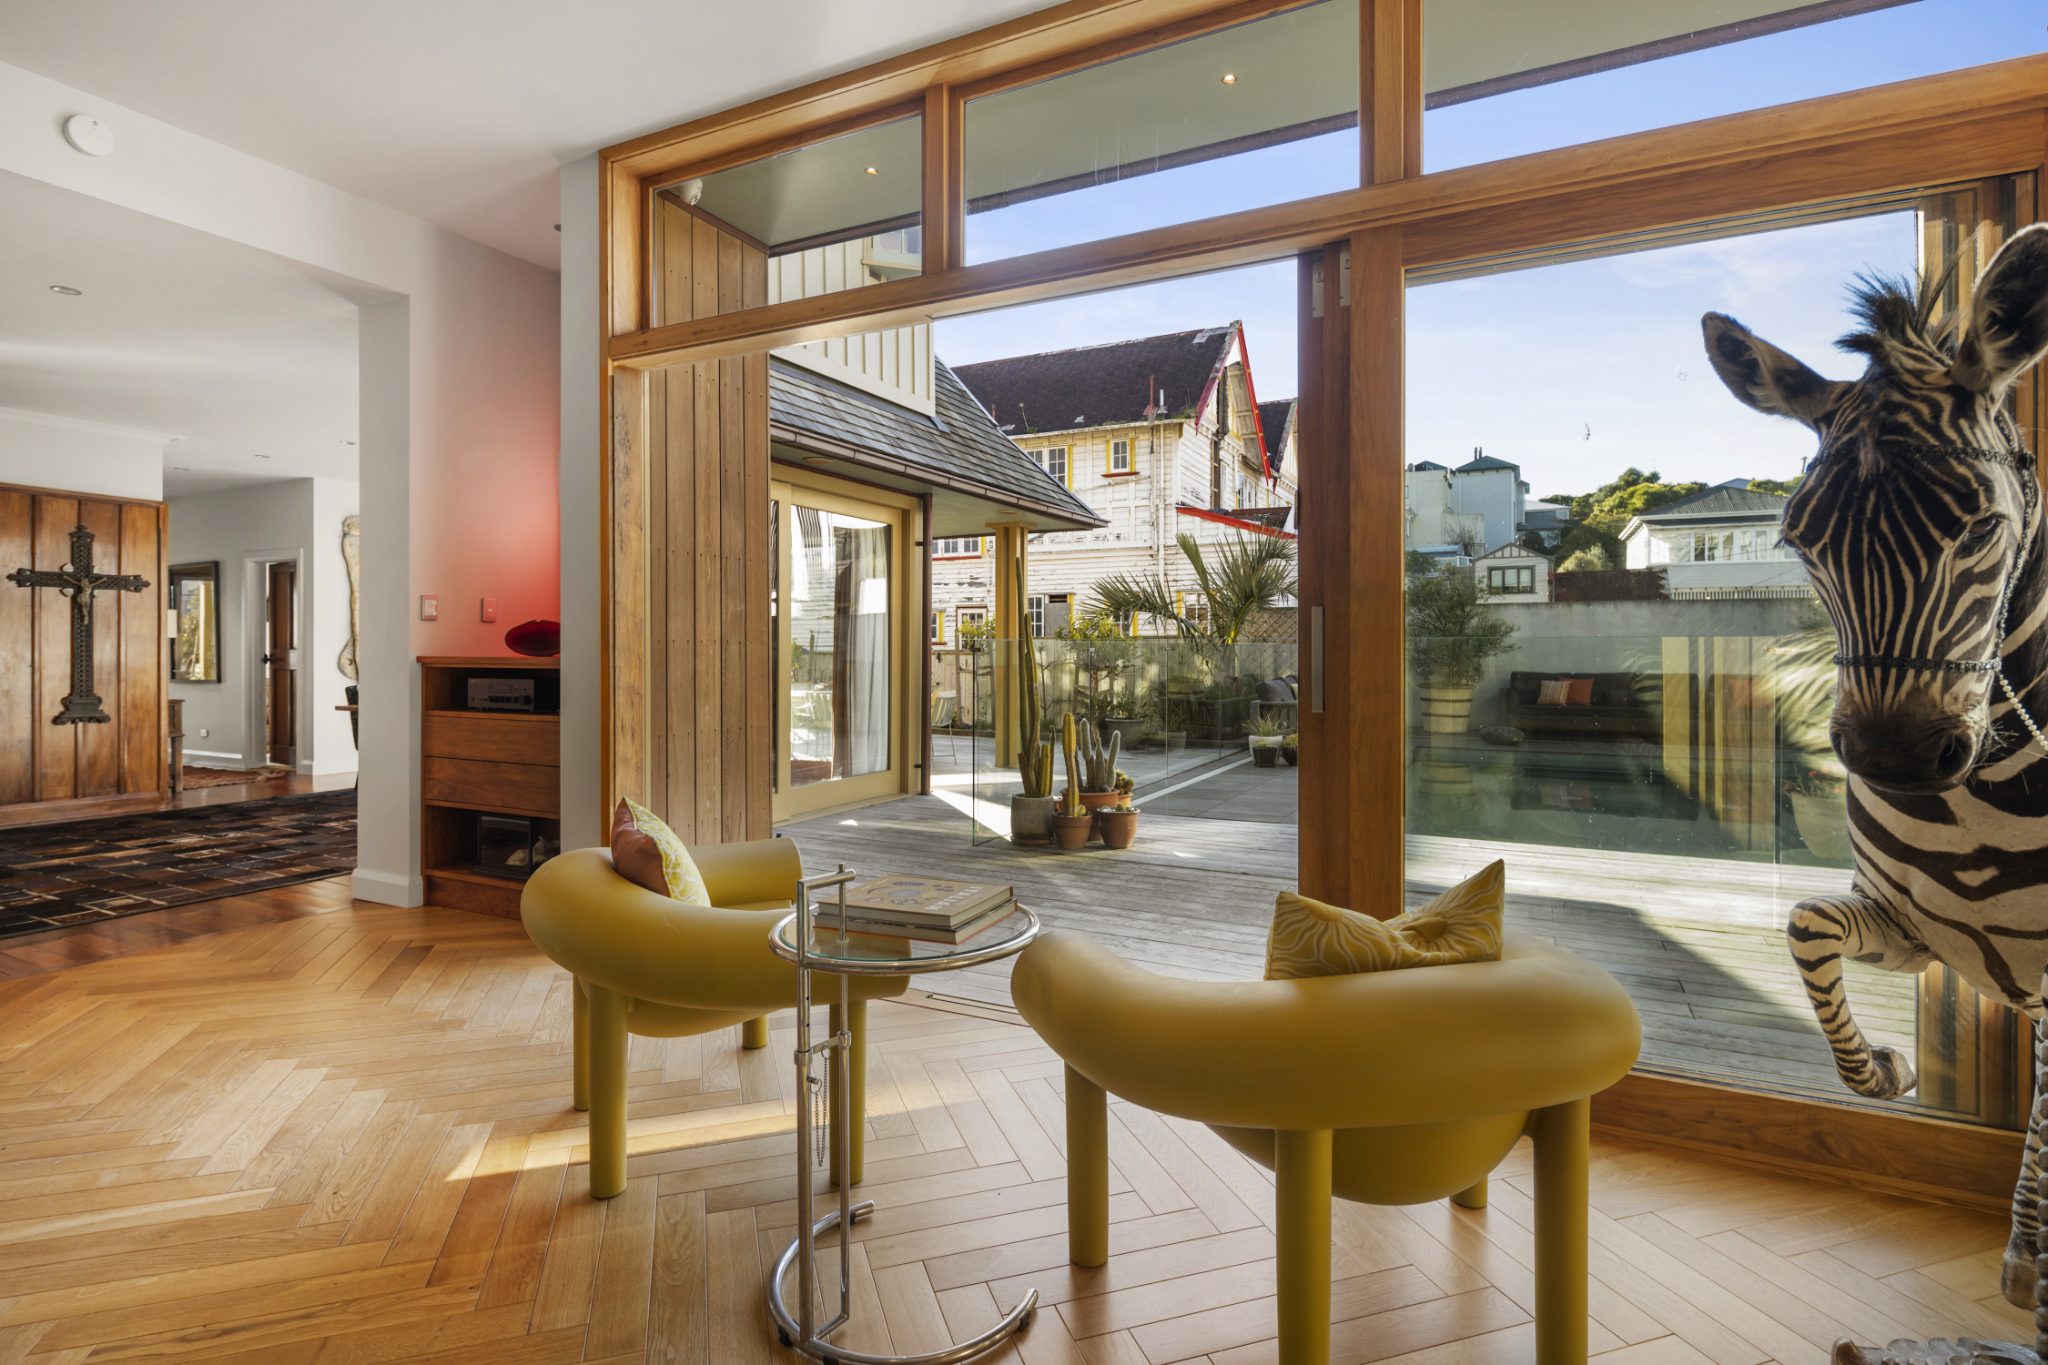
<point>489,609</point>
<point>430,607</point>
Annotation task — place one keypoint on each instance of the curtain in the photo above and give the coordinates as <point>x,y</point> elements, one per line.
<point>866,549</point>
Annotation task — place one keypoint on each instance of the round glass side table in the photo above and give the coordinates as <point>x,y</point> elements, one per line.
<point>815,938</point>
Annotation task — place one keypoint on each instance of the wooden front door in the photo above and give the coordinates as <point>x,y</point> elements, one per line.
<point>281,638</point>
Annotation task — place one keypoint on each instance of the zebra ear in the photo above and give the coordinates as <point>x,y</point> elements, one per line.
<point>1765,377</point>
<point>2007,328</point>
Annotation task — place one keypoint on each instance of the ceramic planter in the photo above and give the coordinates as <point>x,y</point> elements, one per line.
<point>1119,828</point>
<point>1822,822</point>
<point>1445,710</point>
<point>1291,753</point>
<point>1031,819</point>
<point>1130,727</point>
<point>1265,757</point>
<point>1073,831</point>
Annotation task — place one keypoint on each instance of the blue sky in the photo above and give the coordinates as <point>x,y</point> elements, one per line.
<point>1528,364</point>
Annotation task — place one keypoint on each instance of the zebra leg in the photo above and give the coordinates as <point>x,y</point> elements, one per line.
<point>1821,933</point>
<point>2017,1277</point>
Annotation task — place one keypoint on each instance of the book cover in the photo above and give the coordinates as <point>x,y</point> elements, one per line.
<point>921,900</point>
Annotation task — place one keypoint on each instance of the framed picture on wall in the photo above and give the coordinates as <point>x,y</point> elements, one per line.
<point>195,599</point>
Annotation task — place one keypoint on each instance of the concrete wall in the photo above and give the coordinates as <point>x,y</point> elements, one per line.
<point>459,430</point>
<point>245,529</point>
<point>40,451</point>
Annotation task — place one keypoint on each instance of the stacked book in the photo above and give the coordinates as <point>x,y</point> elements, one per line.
<point>927,909</point>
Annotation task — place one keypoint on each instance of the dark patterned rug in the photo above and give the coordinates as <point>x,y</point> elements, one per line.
<point>87,870</point>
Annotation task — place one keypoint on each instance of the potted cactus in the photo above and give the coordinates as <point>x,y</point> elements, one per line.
<point>1073,824</point>
<point>1031,809</point>
<point>1098,766</point>
<point>1119,825</point>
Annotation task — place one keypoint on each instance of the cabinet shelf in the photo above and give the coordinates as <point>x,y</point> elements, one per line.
<point>482,763</point>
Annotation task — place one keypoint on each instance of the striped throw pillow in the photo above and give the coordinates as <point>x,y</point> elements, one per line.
<point>1463,924</point>
<point>1554,692</point>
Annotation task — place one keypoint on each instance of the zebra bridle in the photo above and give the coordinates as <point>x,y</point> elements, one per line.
<point>2018,458</point>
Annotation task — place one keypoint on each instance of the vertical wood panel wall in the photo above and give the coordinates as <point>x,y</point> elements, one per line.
<point>704,758</point>
<point>40,761</point>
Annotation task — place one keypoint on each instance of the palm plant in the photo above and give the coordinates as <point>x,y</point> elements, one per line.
<point>1236,577</point>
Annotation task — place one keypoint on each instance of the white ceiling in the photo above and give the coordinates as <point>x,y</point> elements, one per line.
<point>458,111</point>
<point>244,358</point>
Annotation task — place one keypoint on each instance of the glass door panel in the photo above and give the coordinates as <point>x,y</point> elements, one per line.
<point>1619,678</point>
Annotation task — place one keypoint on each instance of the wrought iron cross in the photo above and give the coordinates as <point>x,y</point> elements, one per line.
<point>78,582</point>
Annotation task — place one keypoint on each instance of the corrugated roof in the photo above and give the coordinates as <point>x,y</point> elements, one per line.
<point>1728,499</point>
<point>957,443</point>
<point>1092,386</point>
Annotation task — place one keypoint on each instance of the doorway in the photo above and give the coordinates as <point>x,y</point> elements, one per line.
<point>840,606</point>
<point>279,665</point>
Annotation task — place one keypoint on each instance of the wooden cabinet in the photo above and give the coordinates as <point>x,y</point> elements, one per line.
<point>480,770</point>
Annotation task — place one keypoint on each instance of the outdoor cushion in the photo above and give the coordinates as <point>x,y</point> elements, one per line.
<point>1579,692</point>
<point>646,852</point>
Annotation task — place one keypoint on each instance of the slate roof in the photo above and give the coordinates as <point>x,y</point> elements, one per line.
<point>1483,462</point>
<point>1274,419</point>
<point>1734,498</point>
<point>957,445</point>
<point>1431,466</point>
<point>1092,386</point>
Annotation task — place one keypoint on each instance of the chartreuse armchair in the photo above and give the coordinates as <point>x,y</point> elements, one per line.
<point>1394,1087</point>
<point>647,964</point>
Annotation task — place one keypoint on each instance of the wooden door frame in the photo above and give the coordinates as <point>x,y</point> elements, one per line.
<point>790,484</point>
<point>254,567</point>
<point>1971,124</point>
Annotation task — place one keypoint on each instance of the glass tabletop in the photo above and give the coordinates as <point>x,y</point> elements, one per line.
<point>868,954</point>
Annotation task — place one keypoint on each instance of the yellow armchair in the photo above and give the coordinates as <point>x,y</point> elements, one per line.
<point>650,965</point>
<point>1386,1088</point>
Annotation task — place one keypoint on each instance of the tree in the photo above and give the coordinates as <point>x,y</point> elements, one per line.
<point>1782,487</point>
<point>1452,630</point>
<point>1248,574</point>
<point>1592,557</point>
<point>1102,653</point>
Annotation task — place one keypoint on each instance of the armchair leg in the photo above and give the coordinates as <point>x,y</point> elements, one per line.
<point>579,1046</point>
<point>856,1023</point>
<point>607,1043</point>
<point>1301,1168</point>
<point>1473,1197</point>
<point>1087,1171</point>
<point>1561,1134</point>
<point>754,1034</point>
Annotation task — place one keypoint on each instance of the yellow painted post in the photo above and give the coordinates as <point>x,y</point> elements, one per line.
<point>1012,587</point>
<point>856,1074</point>
<point>579,1048</point>
<point>1562,1141</point>
<point>607,1038</point>
<point>1087,1171</point>
<point>754,1033</point>
<point>1301,1170</point>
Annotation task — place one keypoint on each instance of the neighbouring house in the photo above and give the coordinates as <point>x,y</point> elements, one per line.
<point>1158,435</point>
<point>1514,573</point>
<point>1456,513</point>
<point>1721,542</point>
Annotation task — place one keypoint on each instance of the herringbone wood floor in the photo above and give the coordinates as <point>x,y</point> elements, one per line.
<point>339,1133</point>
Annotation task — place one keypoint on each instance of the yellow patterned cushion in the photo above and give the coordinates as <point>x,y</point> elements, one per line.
<point>1463,924</point>
<point>636,831</point>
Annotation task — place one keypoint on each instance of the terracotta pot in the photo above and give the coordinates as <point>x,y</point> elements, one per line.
<point>1073,831</point>
<point>1031,819</point>
<point>1119,828</point>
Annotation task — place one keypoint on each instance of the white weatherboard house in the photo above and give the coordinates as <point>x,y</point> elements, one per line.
<point>1158,435</point>
<point>1720,542</point>
<point>1462,513</point>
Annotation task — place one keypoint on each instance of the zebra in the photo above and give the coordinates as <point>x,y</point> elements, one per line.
<point>1919,525</point>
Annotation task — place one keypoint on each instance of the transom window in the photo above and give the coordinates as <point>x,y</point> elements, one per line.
<point>1511,578</point>
<point>957,547</point>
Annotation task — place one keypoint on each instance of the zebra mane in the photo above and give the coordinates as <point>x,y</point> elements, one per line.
<point>1894,311</point>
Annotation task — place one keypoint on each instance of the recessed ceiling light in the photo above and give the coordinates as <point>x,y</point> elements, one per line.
<point>873,171</point>
<point>66,290</point>
<point>1230,78</point>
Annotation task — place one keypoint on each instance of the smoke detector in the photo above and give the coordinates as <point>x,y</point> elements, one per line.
<point>88,135</point>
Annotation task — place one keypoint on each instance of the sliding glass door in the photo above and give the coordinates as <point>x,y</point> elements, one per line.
<point>840,612</point>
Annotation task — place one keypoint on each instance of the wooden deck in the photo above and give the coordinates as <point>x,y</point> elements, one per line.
<point>329,1133</point>
<point>1695,940</point>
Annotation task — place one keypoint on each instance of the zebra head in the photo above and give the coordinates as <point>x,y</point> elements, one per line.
<point>1918,520</point>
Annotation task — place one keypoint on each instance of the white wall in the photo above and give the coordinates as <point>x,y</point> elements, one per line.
<point>582,683</point>
<point>460,429</point>
<point>40,451</point>
<point>243,529</point>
